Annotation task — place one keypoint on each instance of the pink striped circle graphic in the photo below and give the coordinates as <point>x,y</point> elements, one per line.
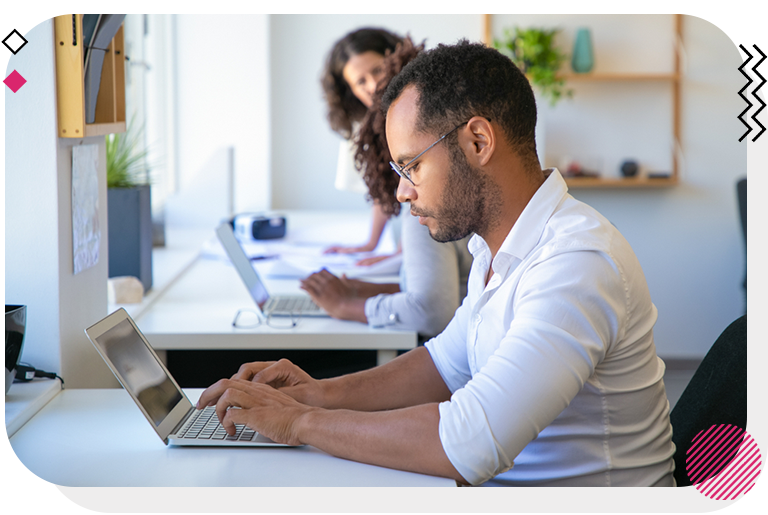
<point>723,462</point>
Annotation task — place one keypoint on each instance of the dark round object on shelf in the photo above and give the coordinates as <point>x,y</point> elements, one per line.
<point>629,168</point>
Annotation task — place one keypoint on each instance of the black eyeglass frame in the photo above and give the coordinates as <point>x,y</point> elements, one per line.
<point>403,172</point>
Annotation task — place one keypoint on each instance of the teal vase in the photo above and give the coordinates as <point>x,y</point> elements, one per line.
<point>583,58</point>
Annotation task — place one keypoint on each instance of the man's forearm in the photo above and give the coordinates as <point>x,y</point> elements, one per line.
<point>403,439</point>
<point>408,380</point>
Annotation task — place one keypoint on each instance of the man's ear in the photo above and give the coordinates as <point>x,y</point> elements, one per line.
<point>481,143</point>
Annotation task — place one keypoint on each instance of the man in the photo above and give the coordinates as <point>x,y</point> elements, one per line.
<point>548,373</point>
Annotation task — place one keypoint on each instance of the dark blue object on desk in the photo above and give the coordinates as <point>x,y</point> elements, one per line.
<point>259,227</point>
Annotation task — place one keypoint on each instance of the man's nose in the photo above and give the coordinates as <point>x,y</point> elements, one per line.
<point>405,191</point>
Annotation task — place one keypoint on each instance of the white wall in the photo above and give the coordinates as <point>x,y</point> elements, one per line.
<point>304,148</point>
<point>38,221</point>
<point>223,101</point>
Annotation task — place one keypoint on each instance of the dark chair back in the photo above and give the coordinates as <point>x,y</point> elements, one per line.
<point>741,193</point>
<point>716,394</point>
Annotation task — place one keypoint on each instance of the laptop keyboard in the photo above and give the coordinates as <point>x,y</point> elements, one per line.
<point>204,425</point>
<point>296,305</point>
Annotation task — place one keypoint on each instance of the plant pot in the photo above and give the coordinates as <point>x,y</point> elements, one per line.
<point>130,233</point>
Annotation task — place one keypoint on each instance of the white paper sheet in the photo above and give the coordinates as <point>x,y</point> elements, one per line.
<point>86,233</point>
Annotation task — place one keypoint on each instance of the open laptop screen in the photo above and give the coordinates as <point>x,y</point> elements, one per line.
<point>242,264</point>
<point>139,371</point>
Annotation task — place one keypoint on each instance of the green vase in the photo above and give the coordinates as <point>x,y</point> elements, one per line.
<point>583,58</point>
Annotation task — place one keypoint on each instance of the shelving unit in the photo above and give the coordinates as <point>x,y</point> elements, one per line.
<point>674,79</point>
<point>70,87</point>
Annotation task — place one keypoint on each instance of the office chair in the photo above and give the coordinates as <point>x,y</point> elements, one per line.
<point>716,394</point>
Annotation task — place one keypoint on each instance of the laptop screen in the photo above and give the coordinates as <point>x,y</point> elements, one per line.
<point>139,371</point>
<point>242,264</point>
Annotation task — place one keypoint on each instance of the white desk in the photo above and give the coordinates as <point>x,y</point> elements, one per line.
<point>100,438</point>
<point>196,311</point>
<point>24,400</point>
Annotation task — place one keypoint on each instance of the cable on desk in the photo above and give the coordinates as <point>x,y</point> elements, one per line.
<point>26,372</point>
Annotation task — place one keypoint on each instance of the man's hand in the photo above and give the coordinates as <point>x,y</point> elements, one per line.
<point>292,380</point>
<point>260,407</point>
<point>280,375</point>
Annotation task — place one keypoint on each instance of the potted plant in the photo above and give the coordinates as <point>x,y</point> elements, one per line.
<point>534,52</point>
<point>129,210</point>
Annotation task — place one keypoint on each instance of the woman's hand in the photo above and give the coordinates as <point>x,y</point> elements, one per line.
<point>329,292</point>
<point>373,260</point>
<point>338,249</point>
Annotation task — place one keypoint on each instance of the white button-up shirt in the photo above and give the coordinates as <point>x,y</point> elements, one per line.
<point>552,366</point>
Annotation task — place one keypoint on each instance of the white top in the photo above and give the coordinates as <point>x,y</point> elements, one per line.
<point>433,282</point>
<point>552,365</point>
<point>349,178</point>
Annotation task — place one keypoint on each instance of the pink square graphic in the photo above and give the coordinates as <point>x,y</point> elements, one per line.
<point>15,81</point>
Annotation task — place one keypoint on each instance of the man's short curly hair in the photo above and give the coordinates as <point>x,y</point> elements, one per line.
<point>457,82</point>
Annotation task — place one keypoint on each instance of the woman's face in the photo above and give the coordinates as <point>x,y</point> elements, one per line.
<point>363,72</point>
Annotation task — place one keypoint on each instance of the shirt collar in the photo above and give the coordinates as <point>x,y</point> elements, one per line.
<point>528,228</point>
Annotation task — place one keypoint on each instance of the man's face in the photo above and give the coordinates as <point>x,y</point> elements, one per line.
<point>449,196</point>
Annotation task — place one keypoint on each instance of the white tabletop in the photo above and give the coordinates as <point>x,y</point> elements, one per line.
<point>197,310</point>
<point>100,438</point>
<point>197,313</point>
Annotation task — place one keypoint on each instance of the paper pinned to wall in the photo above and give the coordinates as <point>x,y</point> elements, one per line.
<point>86,233</point>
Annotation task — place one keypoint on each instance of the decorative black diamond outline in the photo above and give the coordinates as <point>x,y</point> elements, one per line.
<point>8,37</point>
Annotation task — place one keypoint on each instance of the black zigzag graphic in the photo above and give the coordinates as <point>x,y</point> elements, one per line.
<point>760,82</point>
<point>753,58</point>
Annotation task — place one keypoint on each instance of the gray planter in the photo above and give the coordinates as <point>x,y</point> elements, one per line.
<point>130,233</point>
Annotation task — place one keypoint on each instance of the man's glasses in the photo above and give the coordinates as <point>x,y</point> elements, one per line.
<point>403,171</point>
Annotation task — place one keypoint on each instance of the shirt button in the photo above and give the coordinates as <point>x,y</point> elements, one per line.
<point>478,319</point>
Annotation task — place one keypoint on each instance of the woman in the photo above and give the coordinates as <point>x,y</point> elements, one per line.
<point>433,276</point>
<point>352,71</point>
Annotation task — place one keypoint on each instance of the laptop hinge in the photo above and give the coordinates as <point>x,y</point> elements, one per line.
<point>183,421</point>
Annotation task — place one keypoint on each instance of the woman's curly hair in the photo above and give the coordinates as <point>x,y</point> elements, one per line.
<point>372,154</point>
<point>344,108</point>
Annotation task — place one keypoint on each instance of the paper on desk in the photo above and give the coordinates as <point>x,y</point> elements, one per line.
<point>294,266</point>
<point>299,259</point>
<point>259,250</point>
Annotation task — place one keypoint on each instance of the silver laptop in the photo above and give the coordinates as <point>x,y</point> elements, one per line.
<point>278,305</point>
<point>173,417</point>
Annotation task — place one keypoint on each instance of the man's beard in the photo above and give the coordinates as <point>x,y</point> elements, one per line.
<point>469,204</point>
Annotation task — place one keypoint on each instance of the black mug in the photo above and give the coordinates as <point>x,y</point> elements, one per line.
<point>15,323</point>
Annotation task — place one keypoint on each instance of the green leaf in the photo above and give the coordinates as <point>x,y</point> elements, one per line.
<point>533,51</point>
<point>126,166</point>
